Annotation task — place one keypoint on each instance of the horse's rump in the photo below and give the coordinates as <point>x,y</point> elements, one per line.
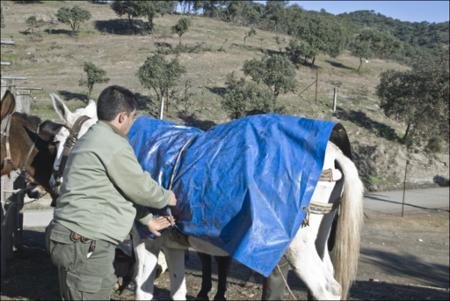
<point>244,185</point>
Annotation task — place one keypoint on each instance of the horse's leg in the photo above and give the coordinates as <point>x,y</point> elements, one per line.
<point>162,263</point>
<point>175,263</point>
<point>303,253</point>
<point>274,286</point>
<point>323,238</point>
<point>223,265</point>
<point>322,244</point>
<point>206,276</point>
<point>308,265</point>
<point>145,265</point>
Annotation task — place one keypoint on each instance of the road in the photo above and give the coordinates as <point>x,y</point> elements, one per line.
<point>389,202</point>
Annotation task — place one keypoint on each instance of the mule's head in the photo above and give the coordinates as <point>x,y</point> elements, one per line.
<point>7,109</point>
<point>27,144</point>
<point>70,119</point>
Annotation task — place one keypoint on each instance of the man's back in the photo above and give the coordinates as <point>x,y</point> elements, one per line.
<point>88,189</point>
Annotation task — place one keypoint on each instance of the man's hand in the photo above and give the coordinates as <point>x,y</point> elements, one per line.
<point>172,200</point>
<point>159,223</point>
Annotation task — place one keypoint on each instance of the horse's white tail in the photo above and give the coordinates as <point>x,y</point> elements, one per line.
<point>347,243</point>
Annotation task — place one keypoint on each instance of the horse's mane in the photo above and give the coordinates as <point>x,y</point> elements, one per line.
<point>45,130</point>
<point>30,122</point>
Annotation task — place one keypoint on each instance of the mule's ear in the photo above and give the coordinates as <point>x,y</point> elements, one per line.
<point>8,104</point>
<point>91,109</point>
<point>62,110</point>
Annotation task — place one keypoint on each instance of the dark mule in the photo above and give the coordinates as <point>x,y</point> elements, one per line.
<point>223,264</point>
<point>27,145</point>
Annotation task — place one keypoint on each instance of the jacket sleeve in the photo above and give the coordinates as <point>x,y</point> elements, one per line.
<point>143,215</point>
<point>134,183</point>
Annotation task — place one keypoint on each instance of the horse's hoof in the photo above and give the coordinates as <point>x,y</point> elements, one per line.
<point>220,298</point>
<point>159,271</point>
<point>203,297</point>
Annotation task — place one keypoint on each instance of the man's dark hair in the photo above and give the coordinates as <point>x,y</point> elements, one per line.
<point>114,100</point>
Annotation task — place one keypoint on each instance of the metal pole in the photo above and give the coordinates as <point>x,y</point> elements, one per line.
<point>317,83</point>
<point>404,186</point>
<point>334,99</point>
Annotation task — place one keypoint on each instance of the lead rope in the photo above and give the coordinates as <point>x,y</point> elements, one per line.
<point>172,176</point>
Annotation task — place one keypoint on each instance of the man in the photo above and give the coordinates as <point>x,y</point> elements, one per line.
<point>95,210</point>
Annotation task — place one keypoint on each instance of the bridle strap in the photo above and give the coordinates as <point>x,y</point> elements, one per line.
<point>70,142</point>
<point>30,151</point>
<point>5,132</point>
<point>5,128</point>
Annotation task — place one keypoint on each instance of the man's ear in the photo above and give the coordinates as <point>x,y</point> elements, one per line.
<point>122,116</point>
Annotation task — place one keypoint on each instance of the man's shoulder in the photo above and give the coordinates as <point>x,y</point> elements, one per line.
<point>100,139</point>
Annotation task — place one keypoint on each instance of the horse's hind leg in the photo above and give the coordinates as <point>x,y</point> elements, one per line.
<point>308,265</point>
<point>146,262</point>
<point>206,276</point>
<point>175,264</point>
<point>223,265</point>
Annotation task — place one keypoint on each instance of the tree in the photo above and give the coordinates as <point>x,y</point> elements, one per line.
<point>150,9</point>
<point>93,75</point>
<point>73,16</point>
<point>33,24</point>
<point>250,33</point>
<point>297,50</point>
<point>243,97</point>
<point>320,34</point>
<point>181,27</point>
<point>369,43</point>
<point>419,98</point>
<point>275,12</point>
<point>276,71</point>
<point>131,9</point>
<point>161,76</point>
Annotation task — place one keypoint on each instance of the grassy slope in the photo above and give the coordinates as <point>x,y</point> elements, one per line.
<point>55,64</point>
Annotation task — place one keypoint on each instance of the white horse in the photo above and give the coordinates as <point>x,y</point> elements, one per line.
<point>308,252</point>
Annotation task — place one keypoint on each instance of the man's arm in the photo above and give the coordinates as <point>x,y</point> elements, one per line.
<point>136,184</point>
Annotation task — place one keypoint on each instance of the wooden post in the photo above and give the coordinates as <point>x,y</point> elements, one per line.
<point>161,109</point>
<point>334,99</point>
<point>404,185</point>
<point>317,83</point>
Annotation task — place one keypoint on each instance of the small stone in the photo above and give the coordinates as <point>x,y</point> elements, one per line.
<point>420,240</point>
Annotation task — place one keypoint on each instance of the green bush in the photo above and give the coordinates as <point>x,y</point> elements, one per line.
<point>245,97</point>
<point>434,145</point>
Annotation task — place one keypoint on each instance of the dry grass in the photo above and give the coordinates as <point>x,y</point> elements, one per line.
<point>55,63</point>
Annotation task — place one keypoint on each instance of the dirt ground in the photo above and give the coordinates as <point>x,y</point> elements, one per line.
<point>401,259</point>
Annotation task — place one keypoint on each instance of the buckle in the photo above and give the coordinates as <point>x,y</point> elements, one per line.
<point>77,237</point>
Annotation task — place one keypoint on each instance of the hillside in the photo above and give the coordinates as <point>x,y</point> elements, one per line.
<point>54,62</point>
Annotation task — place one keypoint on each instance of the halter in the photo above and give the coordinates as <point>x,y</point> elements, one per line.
<point>5,127</point>
<point>68,145</point>
<point>7,161</point>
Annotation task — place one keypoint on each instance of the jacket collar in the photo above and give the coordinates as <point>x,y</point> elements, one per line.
<point>113,128</point>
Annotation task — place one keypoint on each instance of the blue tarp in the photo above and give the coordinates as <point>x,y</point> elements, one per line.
<point>243,185</point>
